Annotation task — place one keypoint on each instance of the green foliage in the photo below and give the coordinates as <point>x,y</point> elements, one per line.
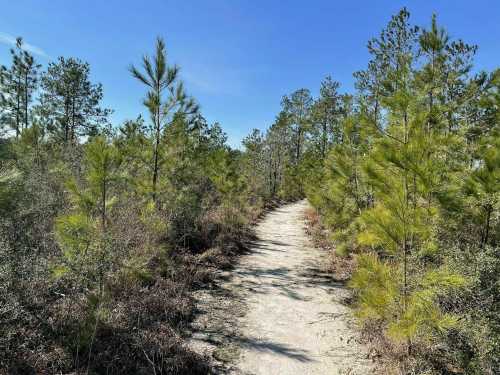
<point>103,229</point>
<point>160,78</point>
<point>83,234</point>
<point>377,286</point>
<point>423,318</point>
<point>70,103</point>
<point>17,86</point>
<point>9,186</point>
<point>409,186</point>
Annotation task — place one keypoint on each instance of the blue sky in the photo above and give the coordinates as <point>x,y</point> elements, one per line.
<point>238,58</point>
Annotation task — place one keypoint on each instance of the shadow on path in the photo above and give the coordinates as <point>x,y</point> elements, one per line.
<point>268,346</point>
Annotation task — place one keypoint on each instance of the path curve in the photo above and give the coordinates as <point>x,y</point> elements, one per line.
<point>291,315</point>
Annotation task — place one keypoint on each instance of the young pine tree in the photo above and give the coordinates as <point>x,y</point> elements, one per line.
<point>164,98</point>
<point>344,194</point>
<point>403,278</point>
<point>83,234</point>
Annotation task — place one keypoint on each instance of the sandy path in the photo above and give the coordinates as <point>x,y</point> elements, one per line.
<point>291,316</point>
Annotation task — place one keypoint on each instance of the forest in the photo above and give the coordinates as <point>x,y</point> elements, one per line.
<point>106,230</point>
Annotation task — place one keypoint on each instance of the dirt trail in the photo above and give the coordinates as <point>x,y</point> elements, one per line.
<point>291,318</point>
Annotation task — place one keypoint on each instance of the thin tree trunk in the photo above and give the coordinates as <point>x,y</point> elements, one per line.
<point>73,116</point>
<point>325,138</point>
<point>486,230</point>
<point>66,121</point>
<point>26,96</point>
<point>18,107</point>
<point>405,233</point>
<point>297,150</point>
<point>156,150</point>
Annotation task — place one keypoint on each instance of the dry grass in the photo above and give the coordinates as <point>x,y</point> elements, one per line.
<point>143,321</point>
<point>341,267</point>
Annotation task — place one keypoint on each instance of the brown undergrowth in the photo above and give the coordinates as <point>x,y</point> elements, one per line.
<point>341,267</point>
<point>140,325</point>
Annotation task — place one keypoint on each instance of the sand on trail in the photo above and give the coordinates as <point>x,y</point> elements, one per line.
<point>289,315</point>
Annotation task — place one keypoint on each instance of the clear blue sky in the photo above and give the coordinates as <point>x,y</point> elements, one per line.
<point>237,57</point>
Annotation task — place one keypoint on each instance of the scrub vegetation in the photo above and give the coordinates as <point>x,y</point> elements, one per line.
<point>107,229</point>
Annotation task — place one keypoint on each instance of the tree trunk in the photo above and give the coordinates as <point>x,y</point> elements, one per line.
<point>73,116</point>
<point>297,149</point>
<point>18,107</point>
<point>486,231</point>
<point>156,150</point>
<point>324,140</point>
<point>26,96</point>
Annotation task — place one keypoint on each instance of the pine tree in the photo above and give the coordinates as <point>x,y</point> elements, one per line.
<point>17,85</point>
<point>278,142</point>
<point>298,106</point>
<point>343,193</point>
<point>135,146</point>
<point>160,78</point>
<point>83,234</point>
<point>70,102</point>
<point>405,168</point>
<point>326,116</point>
<point>482,187</point>
<point>257,165</point>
